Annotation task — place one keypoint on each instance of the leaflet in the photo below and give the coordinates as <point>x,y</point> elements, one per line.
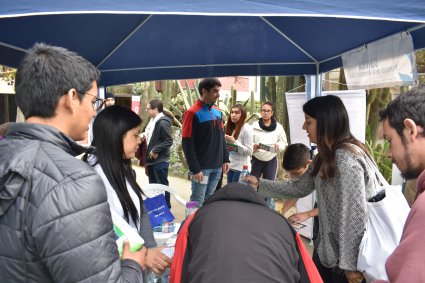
<point>269,148</point>
<point>204,179</point>
<point>232,148</point>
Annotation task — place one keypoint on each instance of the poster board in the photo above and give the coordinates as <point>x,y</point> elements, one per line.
<point>355,103</point>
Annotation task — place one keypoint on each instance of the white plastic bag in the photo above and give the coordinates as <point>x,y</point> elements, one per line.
<point>383,230</point>
<point>383,233</point>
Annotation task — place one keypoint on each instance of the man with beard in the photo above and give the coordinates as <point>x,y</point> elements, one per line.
<point>403,127</point>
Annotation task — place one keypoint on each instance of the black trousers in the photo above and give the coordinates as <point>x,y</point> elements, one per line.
<point>330,275</point>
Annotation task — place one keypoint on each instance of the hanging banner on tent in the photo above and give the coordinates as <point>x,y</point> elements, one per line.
<point>135,104</point>
<point>385,63</point>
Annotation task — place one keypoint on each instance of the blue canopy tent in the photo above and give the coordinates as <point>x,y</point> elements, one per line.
<point>139,40</point>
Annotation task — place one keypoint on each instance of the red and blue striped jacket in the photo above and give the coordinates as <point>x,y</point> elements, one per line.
<point>203,137</point>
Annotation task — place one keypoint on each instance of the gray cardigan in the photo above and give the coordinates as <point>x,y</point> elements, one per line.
<point>342,206</point>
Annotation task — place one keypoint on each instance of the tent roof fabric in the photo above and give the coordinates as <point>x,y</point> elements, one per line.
<point>150,40</point>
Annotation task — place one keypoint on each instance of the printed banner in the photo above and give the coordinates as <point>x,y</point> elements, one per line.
<point>386,63</point>
<point>135,104</point>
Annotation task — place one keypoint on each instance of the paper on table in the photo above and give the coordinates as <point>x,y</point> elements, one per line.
<point>298,226</point>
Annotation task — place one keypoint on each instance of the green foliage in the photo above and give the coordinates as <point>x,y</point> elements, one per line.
<point>178,165</point>
<point>8,75</point>
<point>378,151</point>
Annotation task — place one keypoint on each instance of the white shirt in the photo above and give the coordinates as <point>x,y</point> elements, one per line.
<point>151,126</point>
<point>244,143</point>
<point>278,136</point>
<point>114,201</point>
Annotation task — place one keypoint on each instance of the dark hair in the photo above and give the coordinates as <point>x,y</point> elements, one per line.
<point>48,72</point>
<point>109,129</point>
<point>230,126</point>
<point>109,95</point>
<point>208,84</point>
<point>268,103</point>
<point>296,156</point>
<point>333,132</point>
<point>156,103</point>
<point>410,105</point>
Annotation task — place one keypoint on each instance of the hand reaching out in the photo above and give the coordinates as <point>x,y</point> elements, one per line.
<point>303,216</point>
<point>157,261</point>
<point>299,217</point>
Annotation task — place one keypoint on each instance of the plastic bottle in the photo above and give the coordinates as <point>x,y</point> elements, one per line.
<point>244,173</point>
<point>191,207</point>
<point>152,277</point>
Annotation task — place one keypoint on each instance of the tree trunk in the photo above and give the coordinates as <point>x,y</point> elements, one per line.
<point>342,82</point>
<point>263,90</point>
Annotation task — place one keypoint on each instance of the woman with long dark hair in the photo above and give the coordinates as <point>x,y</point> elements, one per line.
<point>239,134</point>
<point>116,138</point>
<point>343,184</point>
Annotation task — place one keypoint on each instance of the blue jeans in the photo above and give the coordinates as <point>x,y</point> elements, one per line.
<point>158,174</point>
<point>233,176</point>
<point>200,192</point>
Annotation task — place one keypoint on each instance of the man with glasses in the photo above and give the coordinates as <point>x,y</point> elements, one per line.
<point>269,140</point>
<point>97,103</point>
<point>55,223</point>
<point>159,141</point>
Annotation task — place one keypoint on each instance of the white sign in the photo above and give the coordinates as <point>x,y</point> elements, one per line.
<point>385,63</point>
<point>135,104</point>
<point>354,101</point>
<point>295,102</point>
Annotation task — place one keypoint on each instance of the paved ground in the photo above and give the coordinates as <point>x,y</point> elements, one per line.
<point>182,186</point>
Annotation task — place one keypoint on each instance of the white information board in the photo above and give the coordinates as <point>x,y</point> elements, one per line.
<point>355,103</point>
<point>295,102</point>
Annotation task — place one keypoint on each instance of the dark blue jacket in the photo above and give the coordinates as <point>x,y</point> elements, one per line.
<point>203,137</point>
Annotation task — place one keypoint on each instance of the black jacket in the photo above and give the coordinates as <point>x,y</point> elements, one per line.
<point>67,233</point>
<point>160,142</point>
<point>235,237</point>
<point>203,140</point>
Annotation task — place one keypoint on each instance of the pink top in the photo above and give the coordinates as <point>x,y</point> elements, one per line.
<point>407,263</point>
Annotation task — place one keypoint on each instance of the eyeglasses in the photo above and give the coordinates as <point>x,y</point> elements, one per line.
<point>98,103</point>
<point>266,111</point>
